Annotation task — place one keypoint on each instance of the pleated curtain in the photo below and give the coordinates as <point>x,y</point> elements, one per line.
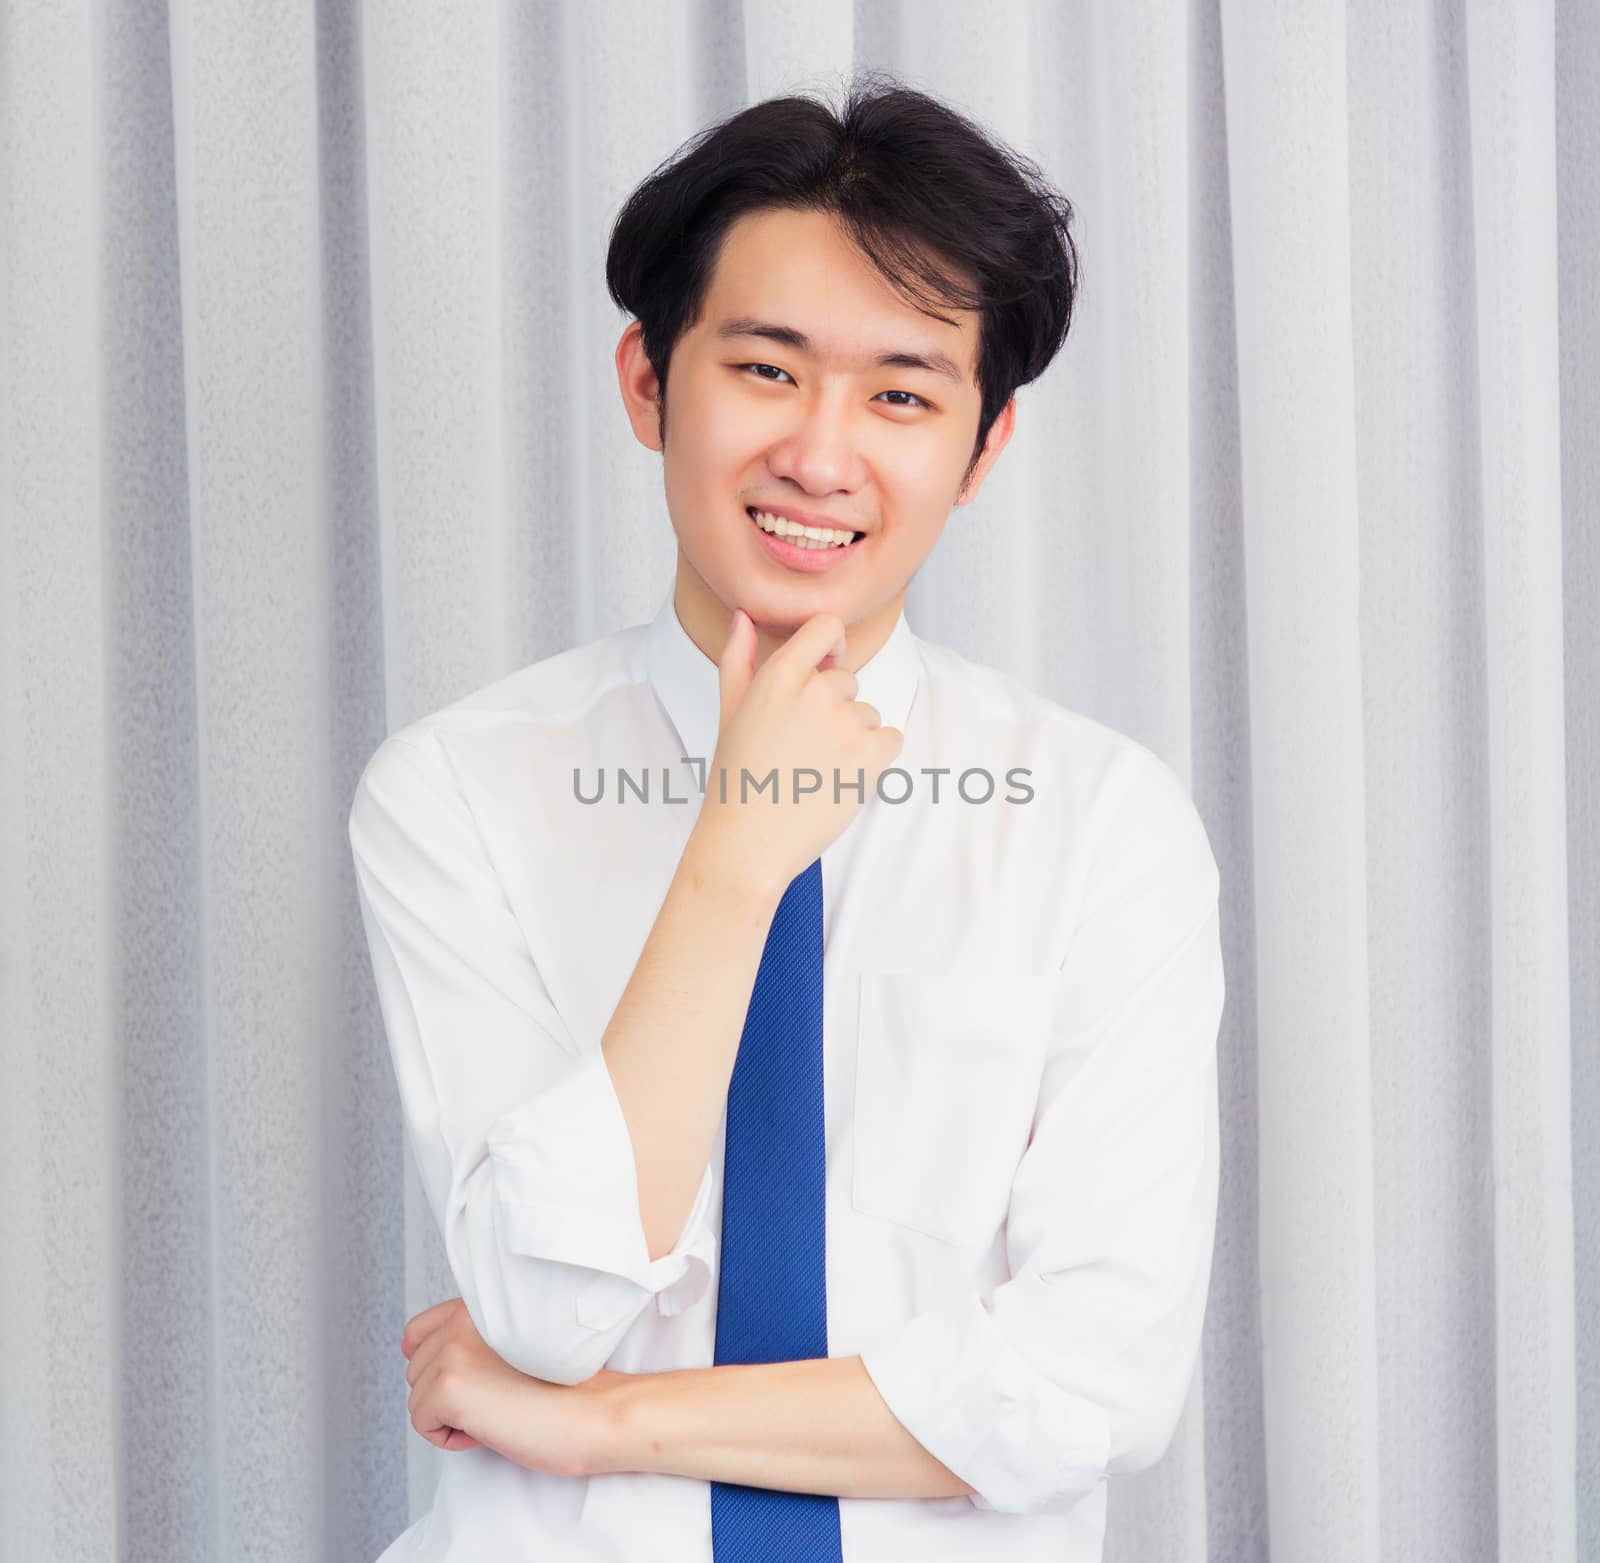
<point>309,425</point>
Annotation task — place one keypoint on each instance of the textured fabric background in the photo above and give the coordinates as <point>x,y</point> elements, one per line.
<point>309,424</point>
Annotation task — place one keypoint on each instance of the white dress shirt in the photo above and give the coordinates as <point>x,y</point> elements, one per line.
<point>1021,1008</point>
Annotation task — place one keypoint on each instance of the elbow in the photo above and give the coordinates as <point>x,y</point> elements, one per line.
<point>564,1330</point>
<point>1142,1435</point>
<point>1159,1372</point>
<point>569,1362</point>
<point>1077,1463</point>
<point>558,1350</point>
<point>540,1316</point>
<point>1145,1444</point>
<point>558,1320</point>
<point>1069,1420</point>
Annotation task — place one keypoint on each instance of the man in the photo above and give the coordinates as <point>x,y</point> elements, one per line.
<point>806,1036</point>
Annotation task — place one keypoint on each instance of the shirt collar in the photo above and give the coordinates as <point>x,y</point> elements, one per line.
<point>686,681</point>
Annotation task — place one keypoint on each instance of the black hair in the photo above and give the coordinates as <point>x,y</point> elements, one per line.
<point>948,215</point>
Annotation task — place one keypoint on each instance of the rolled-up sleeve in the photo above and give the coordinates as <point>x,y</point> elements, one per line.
<point>517,1133</point>
<point>1078,1366</point>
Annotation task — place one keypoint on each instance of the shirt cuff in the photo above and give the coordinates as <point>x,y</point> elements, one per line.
<point>973,1401</point>
<point>566,1188</point>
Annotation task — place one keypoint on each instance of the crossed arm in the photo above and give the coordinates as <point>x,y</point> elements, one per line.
<point>813,1426</point>
<point>816,1426</point>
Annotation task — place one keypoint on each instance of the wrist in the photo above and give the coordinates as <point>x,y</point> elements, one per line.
<point>715,866</point>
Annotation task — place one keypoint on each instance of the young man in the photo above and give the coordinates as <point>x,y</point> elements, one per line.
<point>806,1036</point>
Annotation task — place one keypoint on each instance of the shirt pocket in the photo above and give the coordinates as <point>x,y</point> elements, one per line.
<point>947,1080</point>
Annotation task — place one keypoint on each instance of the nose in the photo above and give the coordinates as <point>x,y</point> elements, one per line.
<point>819,450</point>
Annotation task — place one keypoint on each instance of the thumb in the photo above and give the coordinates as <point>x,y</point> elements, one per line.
<point>736,668</point>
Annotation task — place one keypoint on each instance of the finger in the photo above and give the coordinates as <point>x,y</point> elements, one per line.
<point>429,1415</point>
<point>736,666</point>
<point>889,740</point>
<point>428,1320</point>
<point>842,679</point>
<point>452,1438</point>
<point>820,635</point>
<point>424,1352</point>
<point>834,656</point>
<point>418,1327</point>
<point>420,1403</point>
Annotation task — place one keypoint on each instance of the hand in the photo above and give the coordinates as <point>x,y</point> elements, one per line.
<point>465,1396</point>
<point>790,716</point>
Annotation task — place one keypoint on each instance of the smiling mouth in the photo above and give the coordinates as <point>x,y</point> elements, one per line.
<point>855,537</point>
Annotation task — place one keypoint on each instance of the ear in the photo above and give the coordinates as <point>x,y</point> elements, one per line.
<point>639,386</point>
<point>998,438</point>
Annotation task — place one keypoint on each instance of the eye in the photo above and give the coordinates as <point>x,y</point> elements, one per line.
<point>915,399</point>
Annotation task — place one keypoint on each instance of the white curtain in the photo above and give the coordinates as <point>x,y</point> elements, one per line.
<point>309,424</point>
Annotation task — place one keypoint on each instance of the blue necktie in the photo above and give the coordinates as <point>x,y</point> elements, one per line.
<point>772,1288</point>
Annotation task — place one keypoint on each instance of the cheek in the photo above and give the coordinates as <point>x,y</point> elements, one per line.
<point>711,442</point>
<point>734,437</point>
<point>921,474</point>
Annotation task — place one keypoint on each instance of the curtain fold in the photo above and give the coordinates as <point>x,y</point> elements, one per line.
<point>1511,75</point>
<point>309,425</point>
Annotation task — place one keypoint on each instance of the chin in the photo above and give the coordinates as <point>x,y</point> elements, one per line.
<point>785,617</point>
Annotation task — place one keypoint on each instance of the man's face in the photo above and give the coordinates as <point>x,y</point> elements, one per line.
<point>822,429</point>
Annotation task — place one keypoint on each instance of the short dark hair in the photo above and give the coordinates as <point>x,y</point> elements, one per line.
<point>947,214</point>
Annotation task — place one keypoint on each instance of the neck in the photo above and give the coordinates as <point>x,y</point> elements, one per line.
<point>706,619</point>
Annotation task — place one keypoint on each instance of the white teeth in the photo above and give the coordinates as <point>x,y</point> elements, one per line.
<point>801,536</point>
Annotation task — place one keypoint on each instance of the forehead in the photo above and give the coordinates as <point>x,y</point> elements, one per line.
<point>796,278</point>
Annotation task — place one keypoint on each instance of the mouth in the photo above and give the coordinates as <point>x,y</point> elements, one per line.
<point>801,543</point>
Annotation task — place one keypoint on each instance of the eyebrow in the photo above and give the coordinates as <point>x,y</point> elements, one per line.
<point>931,360</point>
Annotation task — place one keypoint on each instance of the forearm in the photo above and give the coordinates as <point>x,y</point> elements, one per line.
<point>817,1426</point>
<point>671,1044</point>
